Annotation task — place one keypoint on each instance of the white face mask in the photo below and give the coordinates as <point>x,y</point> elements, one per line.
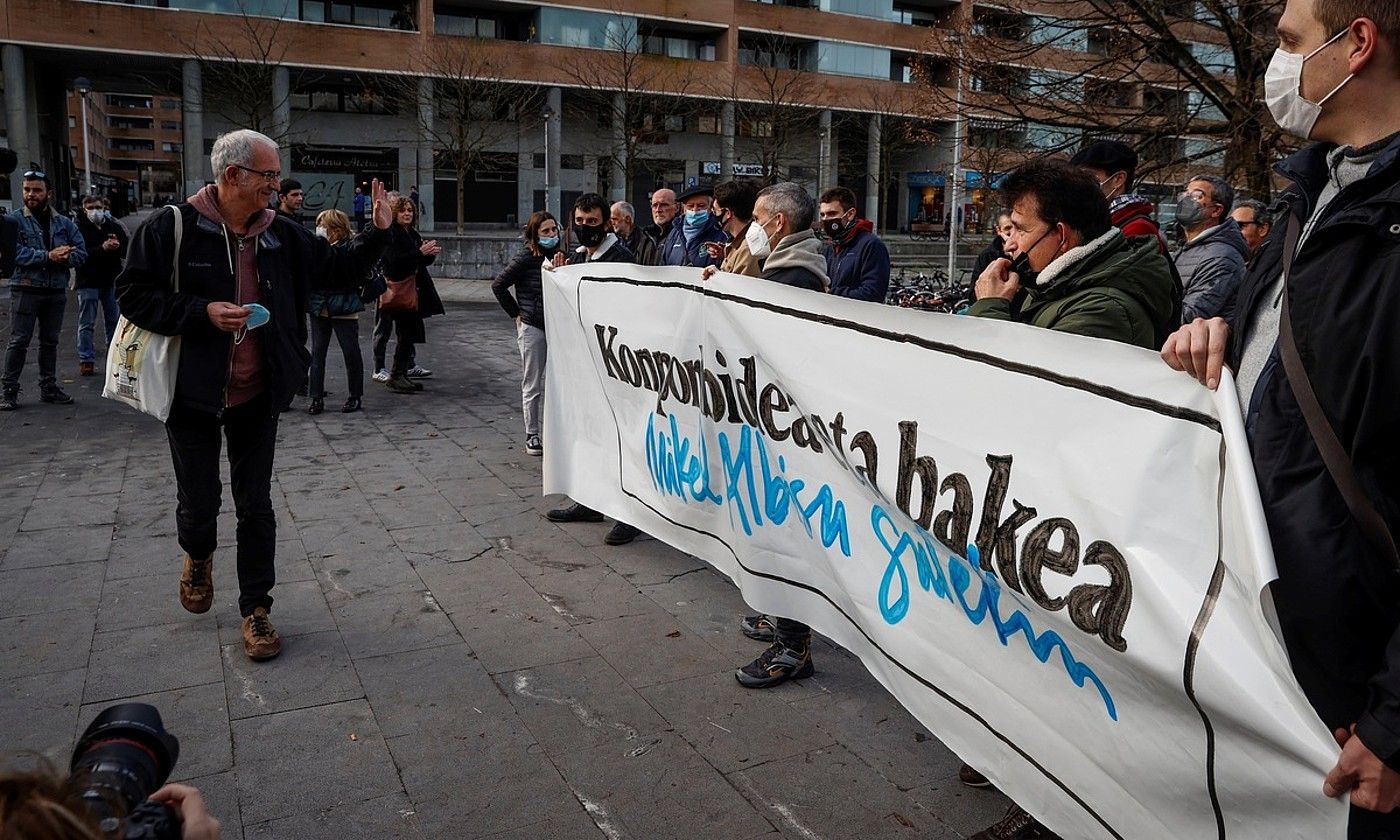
<point>96,216</point>
<point>1283,83</point>
<point>757,239</point>
<point>322,232</point>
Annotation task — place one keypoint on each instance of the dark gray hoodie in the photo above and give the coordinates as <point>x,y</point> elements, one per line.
<point>1211,268</point>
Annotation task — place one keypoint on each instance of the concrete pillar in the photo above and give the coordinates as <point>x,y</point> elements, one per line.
<point>554,140</point>
<point>18,117</point>
<point>282,114</point>
<point>426,170</point>
<point>618,175</point>
<point>194,162</point>
<point>424,20</point>
<point>873,181</point>
<point>826,166</point>
<point>726,140</point>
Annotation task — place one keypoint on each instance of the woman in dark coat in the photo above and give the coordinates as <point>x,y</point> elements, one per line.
<point>335,312</point>
<point>407,255</point>
<point>526,306</point>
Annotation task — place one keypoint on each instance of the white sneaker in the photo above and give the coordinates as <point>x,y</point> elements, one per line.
<point>380,375</point>
<point>417,372</point>
<point>533,445</point>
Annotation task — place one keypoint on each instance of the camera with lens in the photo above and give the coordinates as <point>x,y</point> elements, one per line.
<point>124,756</point>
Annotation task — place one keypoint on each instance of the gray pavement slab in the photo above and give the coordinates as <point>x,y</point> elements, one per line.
<point>454,665</point>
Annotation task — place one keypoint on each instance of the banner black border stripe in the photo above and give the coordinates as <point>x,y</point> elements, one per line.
<point>1114,394</point>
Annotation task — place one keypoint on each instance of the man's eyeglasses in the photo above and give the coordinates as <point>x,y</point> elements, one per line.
<point>265,174</point>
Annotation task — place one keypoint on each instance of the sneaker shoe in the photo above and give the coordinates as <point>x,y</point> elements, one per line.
<point>533,446</point>
<point>417,372</point>
<point>758,627</point>
<point>574,513</point>
<point>197,584</point>
<point>776,666</point>
<point>380,375</point>
<point>86,369</point>
<point>968,775</point>
<point>260,639</point>
<point>621,534</point>
<point>55,396</point>
<point>9,401</point>
<point>1016,825</point>
<point>399,384</point>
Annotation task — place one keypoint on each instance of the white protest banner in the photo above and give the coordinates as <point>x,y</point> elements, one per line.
<point>1048,548</point>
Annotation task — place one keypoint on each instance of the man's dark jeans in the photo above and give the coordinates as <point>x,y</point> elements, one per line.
<point>28,309</point>
<point>195,439</point>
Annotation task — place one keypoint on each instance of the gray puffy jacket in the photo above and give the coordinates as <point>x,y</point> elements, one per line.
<point>1211,268</point>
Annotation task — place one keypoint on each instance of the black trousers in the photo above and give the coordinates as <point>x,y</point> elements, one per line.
<point>195,442</point>
<point>404,355</point>
<point>347,332</point>
<point>794,634</point>
<point>1368,825</point>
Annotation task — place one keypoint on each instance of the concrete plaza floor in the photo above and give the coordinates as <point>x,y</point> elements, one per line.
<point>454,666</point>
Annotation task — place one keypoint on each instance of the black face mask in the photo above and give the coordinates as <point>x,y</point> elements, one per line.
<point>590,236</point>
<point>836,229</point>
<point>1021,265</point>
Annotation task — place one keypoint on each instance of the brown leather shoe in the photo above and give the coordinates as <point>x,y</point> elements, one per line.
<point>85,369</point>
<point>260,640</point>
<point>197,584</point>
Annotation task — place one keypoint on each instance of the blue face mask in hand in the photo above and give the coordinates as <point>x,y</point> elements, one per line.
<point>257,316</point>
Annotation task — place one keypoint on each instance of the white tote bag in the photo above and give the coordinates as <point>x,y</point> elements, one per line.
<point>142,365</point>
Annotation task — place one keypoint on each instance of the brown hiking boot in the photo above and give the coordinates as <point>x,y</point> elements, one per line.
<point>260,640</point>
<point>197,584</point>
<point>85,369</point>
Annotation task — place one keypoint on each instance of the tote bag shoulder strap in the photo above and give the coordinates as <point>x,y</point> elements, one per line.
<point>1334,454</point>
<point>179,228</point>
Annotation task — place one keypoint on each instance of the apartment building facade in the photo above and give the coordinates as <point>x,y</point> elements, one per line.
<point>850,74</point>
<point>134,142</point>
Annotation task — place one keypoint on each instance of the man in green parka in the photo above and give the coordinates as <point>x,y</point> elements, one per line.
<point>1070,269</point>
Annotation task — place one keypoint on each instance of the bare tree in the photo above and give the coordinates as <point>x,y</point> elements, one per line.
<point>632,93</point>
<point>470,109</point>
<point>239,69</point>
<point>904,128</point>
<point>781,132</point>
<point>1179,79</point>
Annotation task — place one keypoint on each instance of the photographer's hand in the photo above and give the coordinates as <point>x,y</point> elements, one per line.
<point>197,823</point>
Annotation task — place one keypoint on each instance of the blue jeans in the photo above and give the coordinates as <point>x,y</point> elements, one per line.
<point>28,310</point>
<point>88,299</point>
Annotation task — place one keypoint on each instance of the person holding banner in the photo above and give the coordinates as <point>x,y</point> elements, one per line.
<point>1082,276</point>
<point>597,243</point>
<point>1316,355</point>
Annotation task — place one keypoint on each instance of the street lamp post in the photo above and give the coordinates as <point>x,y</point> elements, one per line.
<point>83,87</point>
<point>547,113</point>
<point>953,197</point>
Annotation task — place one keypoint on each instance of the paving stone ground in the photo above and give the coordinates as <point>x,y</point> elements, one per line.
<point>455,666</point>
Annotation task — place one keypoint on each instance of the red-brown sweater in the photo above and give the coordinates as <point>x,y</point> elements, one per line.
<point>245,374</point>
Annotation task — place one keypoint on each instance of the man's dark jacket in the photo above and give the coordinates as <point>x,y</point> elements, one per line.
<point>616,252</point>
<point>990,254</point>
<point>677,250</point>
<point>643,247</point>
<point>289,264</point>
<point>100,269</point>
<point>1338,598</point>
<point>860,267</point>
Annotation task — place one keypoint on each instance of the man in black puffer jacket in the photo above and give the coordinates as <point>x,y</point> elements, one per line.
<point>237,259</point>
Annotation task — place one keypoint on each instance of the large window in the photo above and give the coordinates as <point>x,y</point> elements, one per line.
<point>381,14</point>
<point>573,28</point>
<point>853,60</point>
